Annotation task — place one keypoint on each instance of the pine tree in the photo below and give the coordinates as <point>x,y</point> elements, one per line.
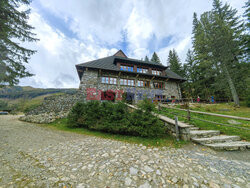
<point>246,37</point>
<point>218,46</point>
<point>146,59</point>
<point>174,63</point>
<point>13,27</point>
<point>155,58</point>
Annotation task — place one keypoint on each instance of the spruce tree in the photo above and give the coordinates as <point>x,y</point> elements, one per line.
<point>155,58</point>
<point>217,43</point>
<point>246,39</point>
<point>246,36</point>
<point>14,27</point>
<point>146,59</point>
<point>174,63</point>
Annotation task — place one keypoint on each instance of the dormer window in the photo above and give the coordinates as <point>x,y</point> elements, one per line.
<point>156,72</point>
<point>127,68</point>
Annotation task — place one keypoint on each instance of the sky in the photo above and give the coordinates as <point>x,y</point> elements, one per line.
<point>77,31</point>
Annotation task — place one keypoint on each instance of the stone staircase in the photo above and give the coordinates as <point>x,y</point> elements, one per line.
<point>217,141</point>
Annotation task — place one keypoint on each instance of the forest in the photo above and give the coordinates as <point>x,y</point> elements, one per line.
<point>218,63</point>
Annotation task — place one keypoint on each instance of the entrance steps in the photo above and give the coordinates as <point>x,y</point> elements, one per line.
<point>203,133</point>
<point>230,146</point>
<point>214,140</point>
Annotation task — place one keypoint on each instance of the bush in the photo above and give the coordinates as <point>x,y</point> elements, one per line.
<point>147,105</point>
<point>248,100</point>
<point>116,118</point>
<point>84,114</point>
<point>3,105</point>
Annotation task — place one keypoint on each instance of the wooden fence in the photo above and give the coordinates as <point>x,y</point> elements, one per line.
<point>188,116</point>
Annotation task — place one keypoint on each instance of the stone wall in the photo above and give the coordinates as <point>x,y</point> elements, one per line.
<point>184,131</point>
<point>92,79</point>
<point>52,108</point>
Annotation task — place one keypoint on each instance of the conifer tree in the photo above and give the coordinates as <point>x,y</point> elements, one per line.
<point>217,43</point>
<point>14,27</point>
<point>155,58</point>
<point>146,59</point>
<point>174,63</point>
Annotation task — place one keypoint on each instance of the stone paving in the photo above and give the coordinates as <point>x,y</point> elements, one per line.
<point>35,156</point>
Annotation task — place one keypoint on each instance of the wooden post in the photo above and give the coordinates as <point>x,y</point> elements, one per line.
<point>188,114</point>
<point>176,128</point>
<point>159,107</point>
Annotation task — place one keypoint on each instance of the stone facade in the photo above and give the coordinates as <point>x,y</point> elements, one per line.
<point>92,79</point>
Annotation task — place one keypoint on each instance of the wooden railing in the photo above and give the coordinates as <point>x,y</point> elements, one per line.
<point>177,128</point>
<point>188,116</point>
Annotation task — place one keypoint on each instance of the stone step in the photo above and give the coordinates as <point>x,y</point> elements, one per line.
<point>230,146</point>
<point>216,139</point>
<point>203,133</point>
<point>194,128</point>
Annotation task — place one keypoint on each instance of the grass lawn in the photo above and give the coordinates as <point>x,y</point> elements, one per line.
<point>222,108</point>
<point>23,105</point>
<point>244,134</point>
<point>167,141</point>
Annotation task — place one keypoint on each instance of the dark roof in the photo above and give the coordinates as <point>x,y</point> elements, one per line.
<point>173,75</point>
<point>109,63</point>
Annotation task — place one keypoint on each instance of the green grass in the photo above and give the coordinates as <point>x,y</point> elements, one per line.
<point>222,108</point>
<point>24,105</point>
<point>244,134</point>
<point>167,141</point>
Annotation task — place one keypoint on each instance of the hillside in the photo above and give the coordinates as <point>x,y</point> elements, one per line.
<point>28,92</point>
<point>23,99</point>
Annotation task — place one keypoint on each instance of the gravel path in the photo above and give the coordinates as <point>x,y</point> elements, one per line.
<point>34,156</point>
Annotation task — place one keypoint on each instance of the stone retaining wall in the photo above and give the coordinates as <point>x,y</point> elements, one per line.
<point>184,132</point>
<point>52,108</point>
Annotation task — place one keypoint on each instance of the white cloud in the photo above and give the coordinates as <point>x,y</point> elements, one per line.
<point>100,25</point>
<point>54,63</point>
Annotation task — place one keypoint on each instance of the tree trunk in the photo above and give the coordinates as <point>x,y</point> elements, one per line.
<point>231,86</point>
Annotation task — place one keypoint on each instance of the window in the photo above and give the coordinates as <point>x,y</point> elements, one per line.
<point>142,70</point>
<point>127,68</point>
<point>140,83</point>
<point>143,83</point>
<point>158,85</point>
<point>139,70</point>
<point>145,70</point>
<point>160,97</point>
<point>127,82</point>
<point>103,79</point>
<point>155,72</point>
<point>108,80</point>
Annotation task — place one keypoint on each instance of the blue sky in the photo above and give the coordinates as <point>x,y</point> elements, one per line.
<point>73,32</point>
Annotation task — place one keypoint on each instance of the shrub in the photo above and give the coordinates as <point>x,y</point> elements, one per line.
<point>248,100</point>
<point>84,114</point>
<point>116,118</point>
<point>3,105</point>
<point>147,105</point>
<point>145,124</point>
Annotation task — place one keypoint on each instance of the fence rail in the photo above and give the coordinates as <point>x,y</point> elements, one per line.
<point>188,117</point>
<point>210,114</point>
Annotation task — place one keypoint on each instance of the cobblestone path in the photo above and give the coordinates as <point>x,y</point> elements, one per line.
<point>35,156</point>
